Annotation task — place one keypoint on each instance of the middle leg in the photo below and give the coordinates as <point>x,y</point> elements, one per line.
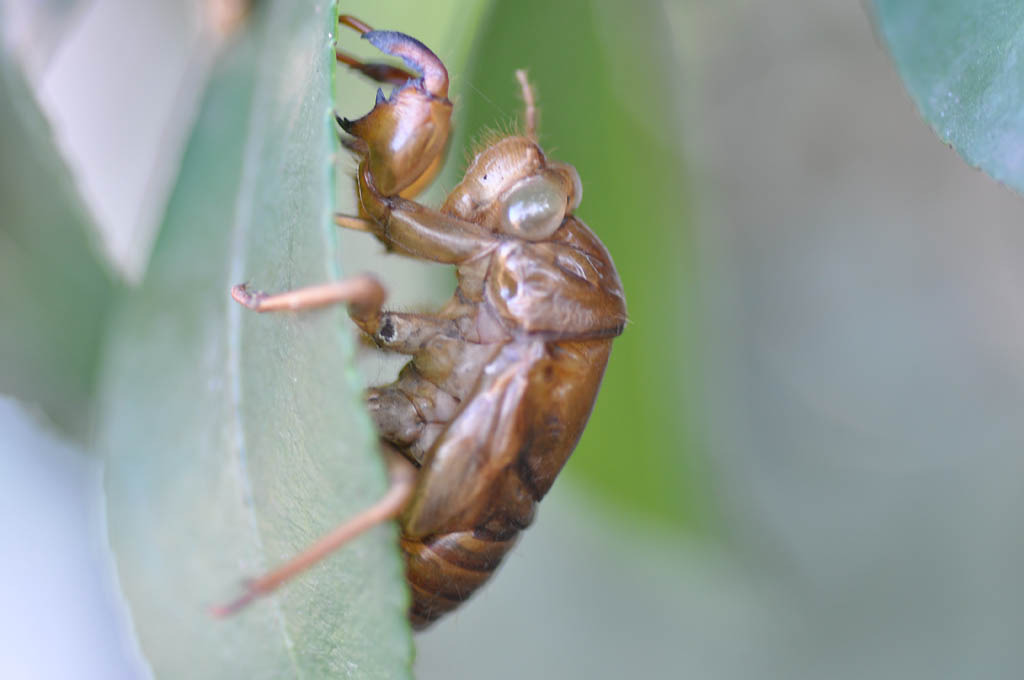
<point>364,295</point>
<point>411,412</point>
<point>400,332</point>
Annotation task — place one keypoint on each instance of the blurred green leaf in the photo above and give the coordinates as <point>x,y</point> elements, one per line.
<point>233,440</point>
<point>963,63</point>
<point>61,591</point>
<point>54,290</point>
<point>603,80</point>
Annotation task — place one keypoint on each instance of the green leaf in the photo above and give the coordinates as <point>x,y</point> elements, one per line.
<point>602,75</point>
<point>963,63</point>
<point>233,440</point>
<point>53,289</point>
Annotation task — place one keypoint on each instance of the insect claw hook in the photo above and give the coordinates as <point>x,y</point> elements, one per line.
<point>360,26</point>
<point>417,55</point>
<point>222,611</point>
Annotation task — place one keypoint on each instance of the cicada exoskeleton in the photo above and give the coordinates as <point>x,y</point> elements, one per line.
<point>502,379</point>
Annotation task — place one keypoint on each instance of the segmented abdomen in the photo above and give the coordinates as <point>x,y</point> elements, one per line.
<point>444,570</point>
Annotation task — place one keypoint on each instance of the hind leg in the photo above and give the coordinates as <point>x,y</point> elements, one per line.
<point>403,481</point>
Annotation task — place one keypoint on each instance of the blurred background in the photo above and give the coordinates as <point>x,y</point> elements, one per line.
<point>805,460</point>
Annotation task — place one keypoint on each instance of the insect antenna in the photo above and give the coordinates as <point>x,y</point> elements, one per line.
<point>530,102</point>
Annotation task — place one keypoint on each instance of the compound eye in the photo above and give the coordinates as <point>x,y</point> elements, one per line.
<point>534,208</point>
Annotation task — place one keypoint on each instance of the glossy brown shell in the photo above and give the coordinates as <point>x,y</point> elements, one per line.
<point>484,474</point>
<point>503,379</point>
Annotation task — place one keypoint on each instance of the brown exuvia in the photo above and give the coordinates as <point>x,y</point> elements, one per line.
<point>503,378</point>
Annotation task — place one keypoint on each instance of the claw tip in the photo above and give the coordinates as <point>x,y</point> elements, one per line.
<point>223,611</point>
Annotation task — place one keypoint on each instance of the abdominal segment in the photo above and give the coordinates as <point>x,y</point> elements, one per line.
<point>444,571</point>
